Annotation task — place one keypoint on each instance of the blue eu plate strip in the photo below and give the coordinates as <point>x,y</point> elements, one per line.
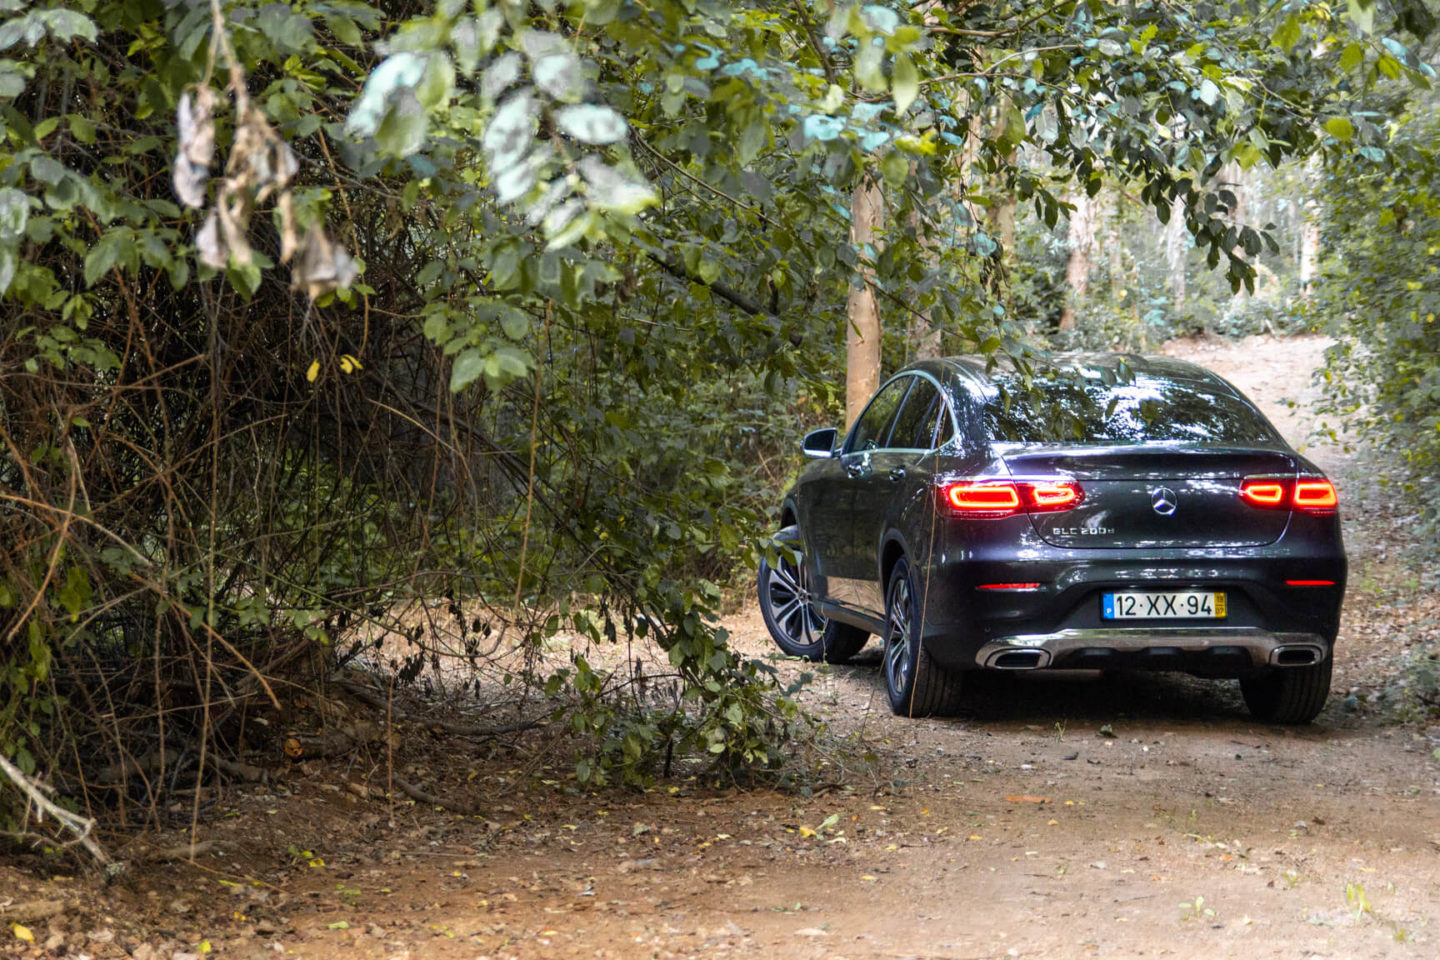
<point>1109,606</point>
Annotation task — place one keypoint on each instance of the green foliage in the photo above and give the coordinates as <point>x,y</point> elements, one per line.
<point>515,304</point>
<point>1420,698</point>
<point>1379,289</point>
<point>716,710</point>
<point>1378,295</point>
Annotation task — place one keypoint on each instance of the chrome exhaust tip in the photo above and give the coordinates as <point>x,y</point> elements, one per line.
<point>1296,655</point>
<point>1018,660</point>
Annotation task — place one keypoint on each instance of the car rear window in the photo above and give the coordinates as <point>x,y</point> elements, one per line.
<point>1144,409</point>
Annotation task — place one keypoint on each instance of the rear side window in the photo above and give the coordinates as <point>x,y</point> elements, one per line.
<point>1146,409</point>
<point>915,427</point>
<point>873,427</point>
<point>947,427</point>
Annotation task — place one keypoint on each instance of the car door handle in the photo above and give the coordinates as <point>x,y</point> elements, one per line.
<point>897,474</point>
<point>856,468</point>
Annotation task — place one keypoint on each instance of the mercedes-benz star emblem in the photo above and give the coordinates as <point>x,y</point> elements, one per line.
<point>1163,500</point>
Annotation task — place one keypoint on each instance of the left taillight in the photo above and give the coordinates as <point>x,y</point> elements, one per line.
<point>989,499</point>
<point>1313,495</point>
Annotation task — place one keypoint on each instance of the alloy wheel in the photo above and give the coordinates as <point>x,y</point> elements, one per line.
<point>791,606</point>
<point>897,636</point>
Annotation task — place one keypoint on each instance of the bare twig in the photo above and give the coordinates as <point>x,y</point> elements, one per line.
<point>701,183</point>
<point>157,854</point>
<point>32,911</point>
<point>365,695</point>
<point>80,827</point>
<point>429,799</point>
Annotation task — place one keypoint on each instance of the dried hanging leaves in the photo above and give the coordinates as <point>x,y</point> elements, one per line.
<point>196,121</point>
<point>261,166</point>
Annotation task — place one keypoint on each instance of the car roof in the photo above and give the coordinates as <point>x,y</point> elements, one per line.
<point>970,373</point>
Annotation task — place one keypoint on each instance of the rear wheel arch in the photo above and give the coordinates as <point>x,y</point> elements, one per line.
<point>890,554</point>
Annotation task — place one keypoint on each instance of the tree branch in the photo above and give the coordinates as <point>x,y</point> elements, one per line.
<point>80,826</point>
<point>694,179</point>
<point>723,291</point>
<point>810,36</point>
<point>996,34</point>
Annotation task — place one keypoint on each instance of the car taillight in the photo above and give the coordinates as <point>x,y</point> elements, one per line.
<point>1053,494</point>
<point>1315,496</point>
<point>1266,493</point>
<point>1004,498</point>
<point>1312,495</point>
<point>978,498</point>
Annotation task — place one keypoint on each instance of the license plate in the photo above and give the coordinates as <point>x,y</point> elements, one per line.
<point>1165,605</point>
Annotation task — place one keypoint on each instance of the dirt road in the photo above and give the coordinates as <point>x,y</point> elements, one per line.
<point>1061,817</point>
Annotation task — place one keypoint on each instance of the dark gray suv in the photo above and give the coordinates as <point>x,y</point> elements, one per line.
<point>1107,512</point>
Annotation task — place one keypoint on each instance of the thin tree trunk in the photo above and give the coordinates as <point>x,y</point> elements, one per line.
<point>1114,253</point>
<point>1238,216</point>
<point>1077,265</point>
<point>924,335</point>
<point>1000,219</point>
<point>862,330</point>
<point>1177,252</point>
<point>1002,231</point>
<point>1115,269</point>
<point>1310,230</point>
<point>969,155</point>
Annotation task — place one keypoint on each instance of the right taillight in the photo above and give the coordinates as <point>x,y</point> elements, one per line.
<point>1312,495</point>
<point>1315,495</point>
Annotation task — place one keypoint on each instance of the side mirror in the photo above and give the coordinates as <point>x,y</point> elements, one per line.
<point>820,444</point>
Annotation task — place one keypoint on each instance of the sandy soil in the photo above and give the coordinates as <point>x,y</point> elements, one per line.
<point>1063,816</point>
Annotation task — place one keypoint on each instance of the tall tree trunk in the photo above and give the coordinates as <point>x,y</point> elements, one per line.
<point>1177,252</point>
<point>924,335</point>
<point>1077,265</point>
<point>1115,269</point>
<point>1114,252</point>
<point>862,329</point>
<point>1000,218</point>
<point>926,338</point>
<point>1238,216</point>
<point>1310,229</point>
<point>969,155</point>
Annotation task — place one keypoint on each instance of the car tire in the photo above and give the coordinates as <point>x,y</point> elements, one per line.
<point>916,684</point>
<point>1288,695</point>
<point>791,618</point>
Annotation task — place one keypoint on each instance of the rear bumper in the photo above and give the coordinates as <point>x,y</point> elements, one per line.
<point>972,618</point>
<point>1208,650</point>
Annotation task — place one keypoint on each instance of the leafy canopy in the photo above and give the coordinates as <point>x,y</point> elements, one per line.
<point>317,308</point>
